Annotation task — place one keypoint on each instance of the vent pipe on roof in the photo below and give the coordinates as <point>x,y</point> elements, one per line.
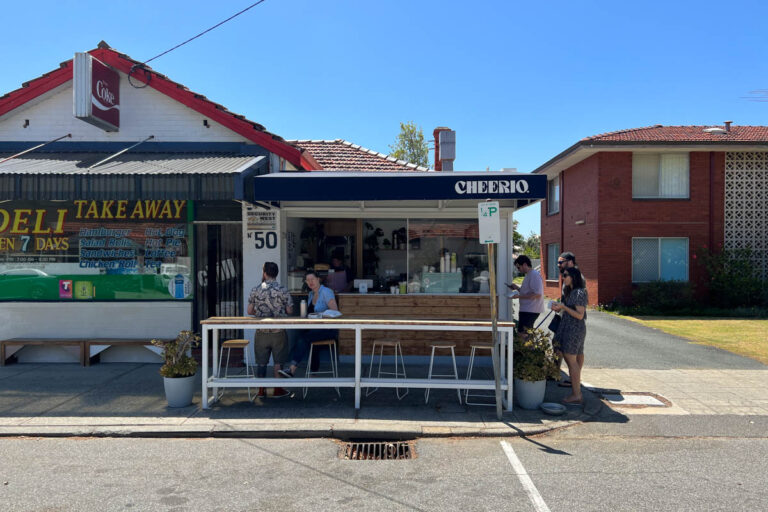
<point>728,126</point>
<point>445,148</point>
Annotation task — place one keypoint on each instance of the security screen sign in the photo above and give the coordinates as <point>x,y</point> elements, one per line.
<point>489,222</point>
<point>96,93</point>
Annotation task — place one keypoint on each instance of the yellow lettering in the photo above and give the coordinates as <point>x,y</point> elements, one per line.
<point>106,209</point>
<point>39,218</point>
<point>20,219</point>
<point>59,229</point>
<point>138,212</point>
<point>6,219</point>
<point>166,211</point>
<point>122,204</point>
<point>151,208</point>
<point>179,205</point>
<point>93,211</point>
<point>63,244</point>
<point>80,203</point>
<point>7,244</point>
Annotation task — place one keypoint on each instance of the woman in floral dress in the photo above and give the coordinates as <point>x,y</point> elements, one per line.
<point>573,329</point>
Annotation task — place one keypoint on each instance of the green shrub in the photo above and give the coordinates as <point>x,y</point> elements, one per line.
<point>534,358</point>
<point>178,362</point>
<point>734,278</point>
<point>662,297</point>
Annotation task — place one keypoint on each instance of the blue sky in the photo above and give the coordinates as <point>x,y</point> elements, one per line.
<point>518,81</point>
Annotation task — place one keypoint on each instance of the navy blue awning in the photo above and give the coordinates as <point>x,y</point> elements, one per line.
<point>400,186</point>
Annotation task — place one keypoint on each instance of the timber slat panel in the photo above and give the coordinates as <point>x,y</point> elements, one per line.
<point>416,307</point>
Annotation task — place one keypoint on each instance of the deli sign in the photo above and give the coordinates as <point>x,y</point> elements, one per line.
<point>96,93</point>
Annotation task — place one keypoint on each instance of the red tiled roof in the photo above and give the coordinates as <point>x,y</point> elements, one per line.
<point>675,134</point>
<point>341,155</point>
<point>235,122</point>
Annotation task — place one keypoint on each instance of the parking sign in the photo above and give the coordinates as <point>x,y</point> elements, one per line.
<point>488,219</point>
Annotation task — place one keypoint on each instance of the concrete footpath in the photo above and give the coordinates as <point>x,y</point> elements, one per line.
<point>127,399</point>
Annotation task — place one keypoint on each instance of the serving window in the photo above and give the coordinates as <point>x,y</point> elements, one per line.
<point>390,255</point>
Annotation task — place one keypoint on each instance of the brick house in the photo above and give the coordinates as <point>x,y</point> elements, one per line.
<point>635,205</point>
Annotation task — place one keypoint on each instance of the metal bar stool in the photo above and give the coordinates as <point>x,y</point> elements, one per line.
<point>476,347</point>
<point>455,374</point>
<point>229,345</point>
<point>397,374</point>
<point>334,371</point>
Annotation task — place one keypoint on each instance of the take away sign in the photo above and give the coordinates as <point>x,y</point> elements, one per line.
<point>489,222</point>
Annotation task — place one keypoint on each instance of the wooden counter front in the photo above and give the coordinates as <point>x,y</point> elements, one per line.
<point>437,307</point>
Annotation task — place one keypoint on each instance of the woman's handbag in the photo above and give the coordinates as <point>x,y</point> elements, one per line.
<point>554,324</point>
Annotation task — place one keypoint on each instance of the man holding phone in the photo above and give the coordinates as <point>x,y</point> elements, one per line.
<point>531,294</point>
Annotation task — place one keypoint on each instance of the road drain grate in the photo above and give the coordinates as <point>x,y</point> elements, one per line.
<point>382,450</point>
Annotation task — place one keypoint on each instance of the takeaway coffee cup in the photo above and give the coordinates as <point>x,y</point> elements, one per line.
<point>393,290</point>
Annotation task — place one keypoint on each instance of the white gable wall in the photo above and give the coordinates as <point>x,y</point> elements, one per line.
<point>143,112</point>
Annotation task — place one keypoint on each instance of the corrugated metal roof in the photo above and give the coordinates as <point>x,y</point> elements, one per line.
<point>128,163</point>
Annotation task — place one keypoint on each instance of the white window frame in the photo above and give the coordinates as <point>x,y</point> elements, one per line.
<point>551,261</point>
<point>660,175</point>
<point>658,256</point>
<point>553,207</point>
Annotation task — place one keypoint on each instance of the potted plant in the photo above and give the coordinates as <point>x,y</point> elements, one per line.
<point>179,369</point>
<point>534,361</point>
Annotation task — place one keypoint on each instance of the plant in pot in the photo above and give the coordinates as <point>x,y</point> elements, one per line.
<point>179,368</point>
<point>534,361</point>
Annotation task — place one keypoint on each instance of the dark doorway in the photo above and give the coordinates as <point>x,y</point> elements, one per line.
<point>219,272</point>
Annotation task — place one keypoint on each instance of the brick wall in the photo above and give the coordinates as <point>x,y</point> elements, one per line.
<point>622,218</point>
<point>598,190</point>
<point>578,203</point>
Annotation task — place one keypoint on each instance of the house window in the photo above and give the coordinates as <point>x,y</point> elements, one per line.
<point>553,252</point>
<point>553,195</point>
<point>660,175</point>
<point>655,259</point>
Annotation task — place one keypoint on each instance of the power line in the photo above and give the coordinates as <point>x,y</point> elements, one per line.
<point>148,75</point>
<point>205,31</point>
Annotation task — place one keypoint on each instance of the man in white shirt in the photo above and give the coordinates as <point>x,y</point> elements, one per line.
<point>531,294</point>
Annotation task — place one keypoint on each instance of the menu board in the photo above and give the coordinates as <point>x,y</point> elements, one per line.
<point>95,249</point>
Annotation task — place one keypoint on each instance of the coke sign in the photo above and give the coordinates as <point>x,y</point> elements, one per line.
<point>97,93</point>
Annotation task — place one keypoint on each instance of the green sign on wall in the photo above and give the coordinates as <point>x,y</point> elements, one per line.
<point>95,250</point>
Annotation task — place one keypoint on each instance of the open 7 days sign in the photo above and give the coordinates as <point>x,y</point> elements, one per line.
<point>489,222</point>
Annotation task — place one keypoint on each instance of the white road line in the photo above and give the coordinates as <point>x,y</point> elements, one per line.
<point>525,480</point>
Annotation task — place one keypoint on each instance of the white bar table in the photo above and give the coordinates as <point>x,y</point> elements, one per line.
<point>212,380</point>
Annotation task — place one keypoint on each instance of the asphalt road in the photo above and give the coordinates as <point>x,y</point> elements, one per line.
<point>613,342</point>
<point>568,473</point>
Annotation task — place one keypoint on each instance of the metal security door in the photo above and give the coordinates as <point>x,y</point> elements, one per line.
<point>219,271</point>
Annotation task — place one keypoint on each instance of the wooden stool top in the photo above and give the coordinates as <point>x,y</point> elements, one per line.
<point>386,343</point>
<point>482,345</point>
<point>324,342</point>
<point>235,344</point>
<point>443,345</point>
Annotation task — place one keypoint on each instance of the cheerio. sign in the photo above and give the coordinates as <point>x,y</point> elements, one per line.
<point>489,223</point>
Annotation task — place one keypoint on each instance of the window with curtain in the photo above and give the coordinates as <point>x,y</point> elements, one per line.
<point>553,195</point>
<point>655,259</point>
<point>553,252</point>
<point>657,175</point>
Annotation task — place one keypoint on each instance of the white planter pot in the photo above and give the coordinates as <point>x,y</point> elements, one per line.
<point>179,390</point>
<point>530,395</point>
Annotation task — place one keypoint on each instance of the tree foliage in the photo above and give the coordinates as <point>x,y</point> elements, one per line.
<point>410,145</point>
<point>532,246</point>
